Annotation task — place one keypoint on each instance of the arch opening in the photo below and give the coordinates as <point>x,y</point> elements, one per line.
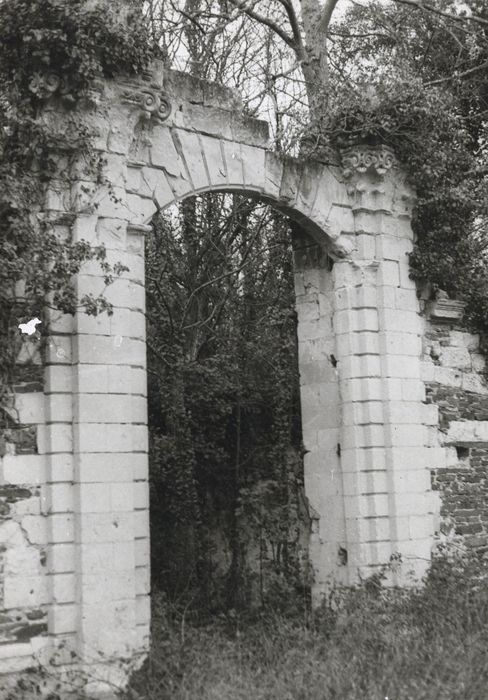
<point>230,518</point>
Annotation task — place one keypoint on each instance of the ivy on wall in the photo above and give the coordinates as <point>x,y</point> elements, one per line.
<point>429,135</point>
<point>418,83</point>
<point>50,49</point>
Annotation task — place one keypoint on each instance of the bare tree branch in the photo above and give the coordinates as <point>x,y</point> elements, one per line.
<point>456,76</point>
<point>326,16</point>
<point>427,7</point>
<point>251,12</point>
<point>295,26</point>
<point>365,35</point>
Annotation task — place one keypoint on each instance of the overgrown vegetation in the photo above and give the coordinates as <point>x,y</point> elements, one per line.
<point>49,49</point>
<point>417,83</point>
<point>229,516</point>
<point>411,81</point>
<point>226,440</point>
<point>365,642</point>
<point>410,75</point>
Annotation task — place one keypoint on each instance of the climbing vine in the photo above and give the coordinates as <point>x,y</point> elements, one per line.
<point>406,91</point>
<point>428,133</point>
<point>51,51</point>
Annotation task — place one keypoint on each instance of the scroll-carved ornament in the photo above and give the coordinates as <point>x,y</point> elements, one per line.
<point>361,159</point>
<point>44,84</point>
<point>152,103</point>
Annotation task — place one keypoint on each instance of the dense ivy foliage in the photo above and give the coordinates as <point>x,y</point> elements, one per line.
<point>406,90</point>
<point>49,48</point>
<point>79,41</point>
<point>229,518</point>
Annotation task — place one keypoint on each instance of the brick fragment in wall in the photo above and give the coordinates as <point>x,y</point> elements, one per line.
<point>18,439</point>
<point>456,404</point>
<point>22,625</point>
<point>459,392</point>
<point>464,498</point>
<point>28,378</point>
<point>10,494</point>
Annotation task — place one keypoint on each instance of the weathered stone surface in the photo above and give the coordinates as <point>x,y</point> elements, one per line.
<point>446,309</point>
<point>215,161</point>
<point>254,167</point>
<point>383,412</point>
<point>460,394</point>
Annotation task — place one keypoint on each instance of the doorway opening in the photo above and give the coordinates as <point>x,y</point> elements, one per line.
<point>230,522</point>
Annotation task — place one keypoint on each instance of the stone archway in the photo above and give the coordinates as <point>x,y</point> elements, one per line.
<point>367,464</point>
<point>151,163</point>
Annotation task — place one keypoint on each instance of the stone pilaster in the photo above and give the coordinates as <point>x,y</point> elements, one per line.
<point>110,451</point>
<point>389,506</point>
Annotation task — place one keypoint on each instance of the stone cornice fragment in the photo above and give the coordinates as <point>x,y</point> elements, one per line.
<point>153,102</point>
<point>443,309</point>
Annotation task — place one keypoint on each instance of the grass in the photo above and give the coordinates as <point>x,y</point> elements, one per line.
<point>365,643</point>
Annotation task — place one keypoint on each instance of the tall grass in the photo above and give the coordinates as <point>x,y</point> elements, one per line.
<point>363,643</point>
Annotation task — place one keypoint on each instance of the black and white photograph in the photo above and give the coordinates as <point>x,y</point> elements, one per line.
<point>243,349</point>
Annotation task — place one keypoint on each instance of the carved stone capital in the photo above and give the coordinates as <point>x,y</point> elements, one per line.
<point>362,158</point>
<point>153,103</point>
<point>44,84</point>
<point>47,84</point>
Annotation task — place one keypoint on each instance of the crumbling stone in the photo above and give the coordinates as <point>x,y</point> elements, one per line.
<point>380,473</point>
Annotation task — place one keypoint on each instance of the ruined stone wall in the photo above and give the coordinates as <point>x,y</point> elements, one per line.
<point>74,534</point>
<point>454,371</point>
<point>24,583</point>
